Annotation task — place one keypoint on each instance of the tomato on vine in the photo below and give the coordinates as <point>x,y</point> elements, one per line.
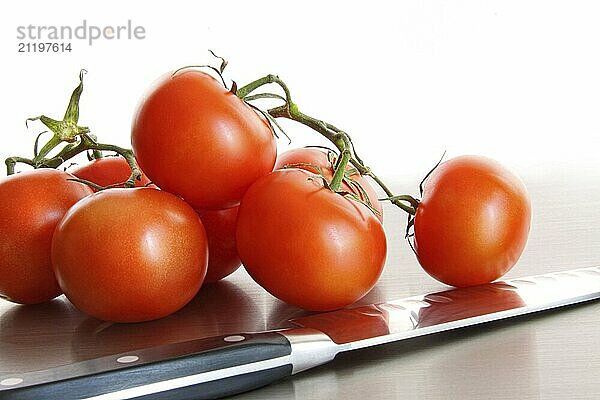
<point>196,139</point>
<point>32,203</point>
<point>306,244</point>
<point>310,234</point>
<point>130,255</point>
<point>472,223</point>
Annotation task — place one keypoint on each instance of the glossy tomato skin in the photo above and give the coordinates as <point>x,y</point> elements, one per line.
<point>107,171</point>
<point>307,245</point>
<point>473,221</point>
<point>196,139</point>
<point>318,157</point>
<point>130,255</point>
<point>223,258</point>
<point>31,205</point>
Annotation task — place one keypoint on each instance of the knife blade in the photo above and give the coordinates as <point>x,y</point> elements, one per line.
<point>225,365</point>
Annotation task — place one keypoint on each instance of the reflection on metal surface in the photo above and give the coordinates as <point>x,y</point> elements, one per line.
<point>202,317</point>
<point>374,324</point>
<point>349,325</point>
<point>70,336</point>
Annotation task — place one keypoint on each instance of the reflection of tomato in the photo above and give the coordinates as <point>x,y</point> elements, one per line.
<point>307,245</point>
<point>455,304</point>
<point>128,255</point>
<point>318,157</point>
<point>107,171</point>
<point>37,335</point>
<point>472,223</point>
<point>218,309</point>
<point>223,258</point>
<point>196,139</point>
<point>349,325</point>
<point>31,204</point>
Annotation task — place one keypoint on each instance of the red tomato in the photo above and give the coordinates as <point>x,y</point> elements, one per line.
<point>223,258</point>
<point>194,138</point>
<point>472,223</point>
<point>31,204</point>
<point>107,171</point>
<point>318,157</point>
<point>307,245</point>
<point>129,255</point>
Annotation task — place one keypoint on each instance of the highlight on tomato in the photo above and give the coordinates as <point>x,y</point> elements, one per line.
<point>130,255</point>
<point>195,138</point>
<point>472,222</point>
<point>31,205</point>
<point>306,244</point>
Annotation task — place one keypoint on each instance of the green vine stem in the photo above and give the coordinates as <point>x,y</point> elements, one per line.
<point>339,138</point>
<point>77,139</point>
<point>84,144</point>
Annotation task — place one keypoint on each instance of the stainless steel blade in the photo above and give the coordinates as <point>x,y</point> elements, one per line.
<point>422,315</point>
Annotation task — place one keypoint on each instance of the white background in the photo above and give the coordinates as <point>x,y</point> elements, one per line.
<point>518,81</point>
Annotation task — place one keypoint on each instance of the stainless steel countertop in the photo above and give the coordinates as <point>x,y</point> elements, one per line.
<point>551,355</point>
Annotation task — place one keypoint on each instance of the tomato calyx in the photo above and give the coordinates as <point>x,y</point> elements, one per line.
<point>414,204</point>
<point>77,139</point>
<point>217,70</point>
<point>357,192</point>
<point>67,129</point>
<point>233,88</point>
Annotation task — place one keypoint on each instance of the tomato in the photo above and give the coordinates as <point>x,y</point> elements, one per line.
<point>196,139</point>
<point>223,258</point>
<point>129,255</point>
<point>318,157</point>
<point>31,205</point>
<point>473,221</point>
<point>107,171</point>
<point>307,245</point>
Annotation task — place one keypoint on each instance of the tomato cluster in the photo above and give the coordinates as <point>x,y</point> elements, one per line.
<point>306,224</point>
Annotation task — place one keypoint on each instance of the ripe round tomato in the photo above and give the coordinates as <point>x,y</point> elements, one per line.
<point>107,171</point>
<point>473,221</point>
<point>194,138</point>
<point>31,204</point>
<point>307,245</point>
<point>129,255</point>
<point>223,258</point>
<point>318,157</point>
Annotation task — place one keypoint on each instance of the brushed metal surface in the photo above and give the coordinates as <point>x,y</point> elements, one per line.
<point>552,355</point>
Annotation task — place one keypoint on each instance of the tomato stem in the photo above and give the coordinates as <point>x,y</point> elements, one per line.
<point>341,140</point>
<point>84,144</point>
<point>342,162</point>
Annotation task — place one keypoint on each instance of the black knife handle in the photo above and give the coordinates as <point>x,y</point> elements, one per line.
<point>199,369</point>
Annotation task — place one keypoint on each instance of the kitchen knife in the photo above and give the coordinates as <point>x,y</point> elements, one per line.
<point>220,366</point>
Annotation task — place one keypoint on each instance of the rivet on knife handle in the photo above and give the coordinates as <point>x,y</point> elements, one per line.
<point>199,369</point>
